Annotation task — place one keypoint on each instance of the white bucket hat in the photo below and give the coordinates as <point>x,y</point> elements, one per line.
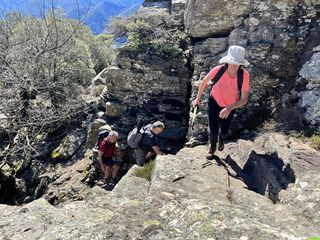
<point>236,56</point>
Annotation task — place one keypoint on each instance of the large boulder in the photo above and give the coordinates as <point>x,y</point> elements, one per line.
<point>310,97</point>
<point>178,9</point>
<point>70,145</point>
<point>93,132</point>
<point>205,18</point>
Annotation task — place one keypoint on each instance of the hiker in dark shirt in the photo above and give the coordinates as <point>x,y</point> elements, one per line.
<point>108,152</point>
<point>148,147</point>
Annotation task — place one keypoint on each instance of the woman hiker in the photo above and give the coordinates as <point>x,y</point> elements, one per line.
<point>229,92</point>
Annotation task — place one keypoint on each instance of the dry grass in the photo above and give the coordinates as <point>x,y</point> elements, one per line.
<point>145,171</point>
<point>315,141</point>
<point>299,135</point>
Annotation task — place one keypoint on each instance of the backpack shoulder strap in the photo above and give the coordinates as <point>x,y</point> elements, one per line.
<point>219,74</point>
<point>240,80</point>
<point>106,142</point>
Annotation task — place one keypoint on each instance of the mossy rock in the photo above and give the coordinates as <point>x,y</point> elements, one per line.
<point>56,154</point>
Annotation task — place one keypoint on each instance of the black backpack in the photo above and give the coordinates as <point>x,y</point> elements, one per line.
<point>102,135</point>
<point>222,70</point>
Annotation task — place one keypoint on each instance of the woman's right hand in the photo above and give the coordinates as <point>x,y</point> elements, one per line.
<point>196,102</point>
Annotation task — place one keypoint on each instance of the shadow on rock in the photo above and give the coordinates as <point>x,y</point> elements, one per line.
<point>7,188</point>
<point>264,174</point>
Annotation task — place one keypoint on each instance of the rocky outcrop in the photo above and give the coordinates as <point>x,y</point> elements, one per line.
<point>23,181</point>
<point>70,145</point>
<point>205,19</point>
<point>178,9</point>
<point>266,188</point>
<point>94,131</point>
<point>150,82</point>
<point>276,48</point>
<point>188,198</point>
<point>309,98</point>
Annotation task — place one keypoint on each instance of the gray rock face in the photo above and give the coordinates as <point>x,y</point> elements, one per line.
<point>25,180</point>
<point>151,93</point>
<point>276,46</point>
<point>187,198</point>
<point>178,9</point>
<point>93,132</point>
<point>70,145</point>
<point>309,98</point>
<point>3,125</point>
<point>215,17</point>
<point>150,82</point>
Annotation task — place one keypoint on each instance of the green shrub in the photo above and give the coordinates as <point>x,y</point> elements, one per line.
<point>151,33</point>
<point>315,141</point>
<point>313,238</point>
<point>167,48</point>
<point>299,135</point>
<point>145,171</point>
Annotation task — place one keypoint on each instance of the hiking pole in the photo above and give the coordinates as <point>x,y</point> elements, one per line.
<point>194,115</point>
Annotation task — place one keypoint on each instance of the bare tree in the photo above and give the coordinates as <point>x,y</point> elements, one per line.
<point>45,63</point>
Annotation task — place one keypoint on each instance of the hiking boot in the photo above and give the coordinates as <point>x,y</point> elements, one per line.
<point>213,146</point>
<point>220,144</point>
<point>210,154</point>
<point>112,182</point>
<point>106,180</point>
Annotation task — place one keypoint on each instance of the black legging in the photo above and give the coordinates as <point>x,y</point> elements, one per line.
<point>215,122</point>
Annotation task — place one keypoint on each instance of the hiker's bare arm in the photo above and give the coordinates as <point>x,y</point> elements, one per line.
<point>243,101</point>
<point>157,150</point>
<point>202,86</point>
<point>116,152</point>
<point>100,155</point>
<point>150,155</point>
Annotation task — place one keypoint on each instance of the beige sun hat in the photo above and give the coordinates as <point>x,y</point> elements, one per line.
<point>236,56</point>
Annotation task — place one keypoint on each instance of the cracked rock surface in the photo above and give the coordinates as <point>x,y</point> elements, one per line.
<point>190,198</point>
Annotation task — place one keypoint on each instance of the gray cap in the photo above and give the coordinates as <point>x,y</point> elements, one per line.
<point>157,124</point>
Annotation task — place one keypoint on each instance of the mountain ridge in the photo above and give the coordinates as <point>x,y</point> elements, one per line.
<point>100,11</point>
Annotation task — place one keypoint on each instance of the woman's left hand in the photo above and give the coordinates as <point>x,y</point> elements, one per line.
<point>225,112</point>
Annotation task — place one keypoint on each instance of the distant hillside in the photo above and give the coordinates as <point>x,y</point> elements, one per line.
<point>99,14</point>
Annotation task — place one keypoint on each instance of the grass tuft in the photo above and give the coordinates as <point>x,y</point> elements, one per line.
<point>145,171</point>
<point>315,141</point>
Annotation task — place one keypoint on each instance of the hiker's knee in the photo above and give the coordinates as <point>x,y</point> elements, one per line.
<point>140,156</point>
<point>224,135</point>
<point>213,132</point>
<point>116,165</point>
<point>141,160</point>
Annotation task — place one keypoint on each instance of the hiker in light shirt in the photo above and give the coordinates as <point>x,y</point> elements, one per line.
<point>229,92</point>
